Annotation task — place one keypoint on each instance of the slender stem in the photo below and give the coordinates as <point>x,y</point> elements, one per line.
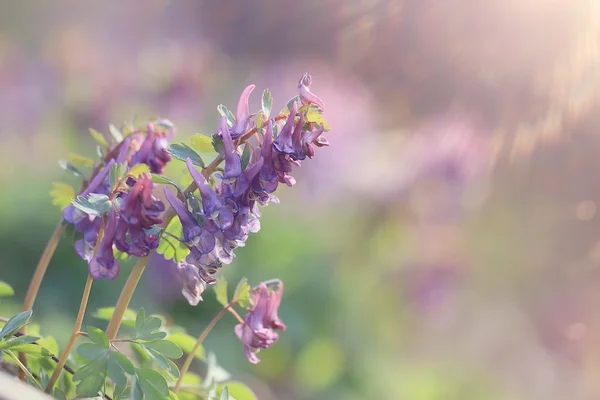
<point>41,267</point>
<point>190,357</point>
<point>236,315</point>
<point>125,298</point>
<point>36,281</point>
<point>74,335</point>
<point>24,369</point>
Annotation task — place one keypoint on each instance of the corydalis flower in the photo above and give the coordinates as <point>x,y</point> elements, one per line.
<point>152,148</point>
<point>104,265</point>
<point>258,330</point>
<point>306,96</point>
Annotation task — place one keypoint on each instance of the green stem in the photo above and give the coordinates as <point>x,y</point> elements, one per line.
<point>190,357</point>
<point>24,369</point>
<point>76,333</point>
<point>126,294</point>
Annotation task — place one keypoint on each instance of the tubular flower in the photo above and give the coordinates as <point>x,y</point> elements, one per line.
<point>258,330</point>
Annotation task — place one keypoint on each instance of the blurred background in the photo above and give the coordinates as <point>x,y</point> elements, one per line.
<point>445,246</point>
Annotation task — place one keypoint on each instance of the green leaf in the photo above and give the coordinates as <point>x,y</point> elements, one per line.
<point>290,103</point>
<point>17,341</point>
<point>173,396</point>
<point>90,386</point>
<point>91,377</point>
<point>237,390</point>
<point>32,349</point>
<point>98,137</point>
<point>115,371</point>
<point>123,362</point>
<point>202,143</point>
<point>138,169</point>
<point>165,181</point>
<point>62,194</point>
<point>150,325</point>
<point>105,313</point>
<point>314,114</point>
<point>242,293</point>
<point>98,336</point>
<point>152,382</point>
<point>64,164</point>
<point>76,159</point>
<point>171,248</point>
<point>115,133</point>
<point>91,351</point>
<point>136,389</point>
<point>96,204</point>
<point>58,394</point>
<point>6,289</point>
<point>224,111</point>
<point>182,151</point>
<point>163,362</point>
<point>246,156</point>
<point>15,323</point>
<point>267,102</point>
<point>187,343</point>
<point>218,145</point>
<point>121,392</point>
<point>221,290</point>
<point>140,320</point>
<point>116,172</point>
<point>164,347</point>
<point>224,393</point>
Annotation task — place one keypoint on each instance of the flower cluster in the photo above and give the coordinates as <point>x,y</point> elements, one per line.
<point>229,209</point>
<point>134,209</point>
<point>258,330</point>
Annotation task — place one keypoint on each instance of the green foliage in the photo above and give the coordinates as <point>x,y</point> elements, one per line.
<point>202,143</point>
<point>95,204</point>
<point>106,313</point>
<point>221,290</point>
<point>246,156</point>
<point>6,289</point>
<point>115,133</point>
<point>76,159</point>
<point>64,164</point>
<point>186,342</point>
<point>15,323</point>
<point>62,194</point>
<point>236,390</point>
<point>224,393</point>
<point>267,102</point>
<point>288,107</point>
<point>116,173</point>
<point>314,114</point>
<point>170,247</point>
<point>224,111</point>
<point>182,151</point>
<point>153,384</point>
<point>165,181</point>
<point>242,293</point>
<point>138,169</point>
<point>218,145</point>
<point>98,137</point>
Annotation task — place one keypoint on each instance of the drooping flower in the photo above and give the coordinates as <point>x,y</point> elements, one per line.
<point>258,330</point>
<point>193,284</point>
<point>104,265</point>
<point>153,149</point>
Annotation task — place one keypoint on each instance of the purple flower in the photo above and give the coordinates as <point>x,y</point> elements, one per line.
<point>104,264</point>
<point>233,163</point>
<point>153,149</point>
<point>139,211</point>
<point>306,97</point>
<point>242,115</point>
<point>191,228</point>
<point>258,330</point>
<point>193,284</point>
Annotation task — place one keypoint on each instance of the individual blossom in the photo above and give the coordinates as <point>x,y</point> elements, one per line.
<point>193,284</point>
<point>139,212</point>
<point>152,148</point>
<point>306,96</point>
<point>104,265</point>
<point>242,115</point>
<point>258,330</point>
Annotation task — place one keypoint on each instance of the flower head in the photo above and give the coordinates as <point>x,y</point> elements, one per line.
<point>258,330</point>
